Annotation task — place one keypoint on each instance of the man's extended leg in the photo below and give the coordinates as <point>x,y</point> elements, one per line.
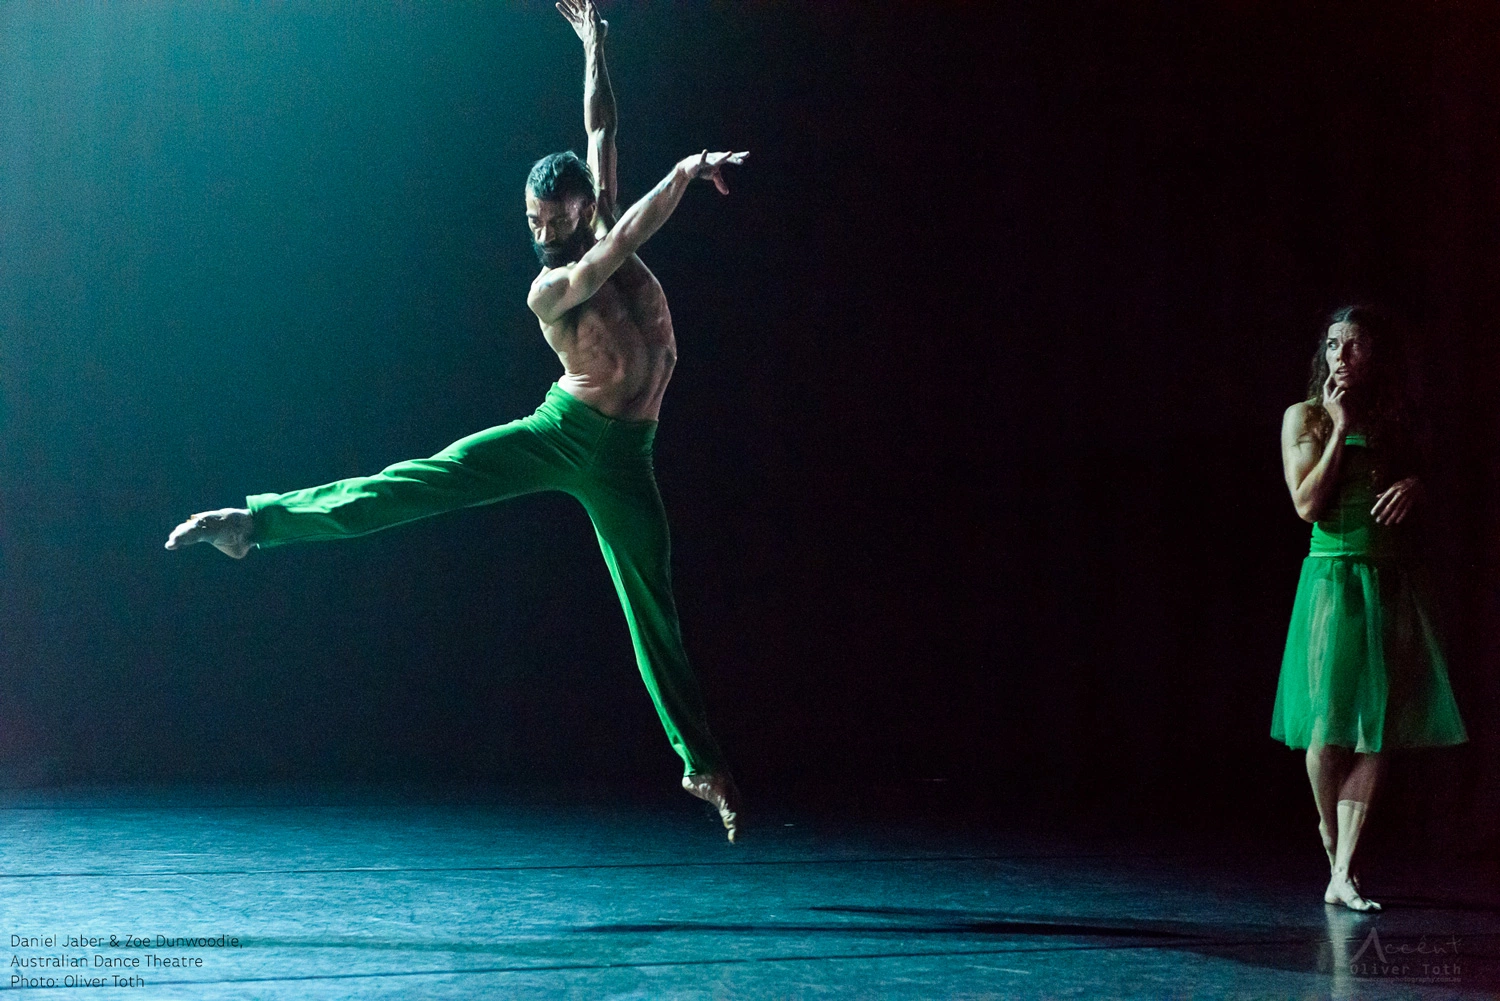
<point>632,527</point>
<point>524,456</point>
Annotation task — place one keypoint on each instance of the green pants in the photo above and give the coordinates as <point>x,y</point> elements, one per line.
<point>566,445</point>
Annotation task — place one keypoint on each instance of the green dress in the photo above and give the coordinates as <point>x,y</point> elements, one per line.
<point>1362,667</point>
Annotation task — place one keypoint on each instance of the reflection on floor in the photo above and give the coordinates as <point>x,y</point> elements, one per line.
<point>209,895</point>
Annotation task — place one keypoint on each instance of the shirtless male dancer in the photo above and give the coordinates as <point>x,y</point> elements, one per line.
<point>604,314</point>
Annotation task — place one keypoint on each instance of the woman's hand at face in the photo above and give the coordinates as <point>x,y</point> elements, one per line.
<point>1333,403</point>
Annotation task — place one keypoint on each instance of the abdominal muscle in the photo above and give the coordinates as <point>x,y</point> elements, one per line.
<point>618,349</point>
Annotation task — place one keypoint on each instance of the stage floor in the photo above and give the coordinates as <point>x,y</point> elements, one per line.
<point>373,894</point>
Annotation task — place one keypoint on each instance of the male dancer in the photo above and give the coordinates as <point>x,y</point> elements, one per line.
<point>604,314</point>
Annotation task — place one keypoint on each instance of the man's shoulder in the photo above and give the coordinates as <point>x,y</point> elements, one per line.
<point>547,281</point>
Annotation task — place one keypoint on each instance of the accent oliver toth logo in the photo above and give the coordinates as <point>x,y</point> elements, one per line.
<point>1424,960</point>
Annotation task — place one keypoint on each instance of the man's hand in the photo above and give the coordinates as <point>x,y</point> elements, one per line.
<point>707,165</point>
<point>583,15</point>
<point>229,529</point>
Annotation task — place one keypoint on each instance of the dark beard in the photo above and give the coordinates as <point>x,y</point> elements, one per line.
<point>564,252</point>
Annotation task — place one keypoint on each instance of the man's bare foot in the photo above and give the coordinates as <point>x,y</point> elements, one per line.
<point>227,529</point>
<point>718,790</point>
<point>1342,889</point>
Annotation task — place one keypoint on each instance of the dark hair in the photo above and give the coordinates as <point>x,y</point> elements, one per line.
<point>1386,405</point>
<point>560,176</point>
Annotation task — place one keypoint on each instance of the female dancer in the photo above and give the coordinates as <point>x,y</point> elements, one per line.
<point>1362,672</point>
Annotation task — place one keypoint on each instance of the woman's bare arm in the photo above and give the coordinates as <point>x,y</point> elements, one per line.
<point>1311,467</point>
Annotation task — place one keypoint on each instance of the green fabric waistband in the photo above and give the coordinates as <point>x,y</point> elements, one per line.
<point>611,433</point>
<point>1356,557</point>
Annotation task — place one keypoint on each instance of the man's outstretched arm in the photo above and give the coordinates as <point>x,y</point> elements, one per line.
<point>559,290</point>
<point>598,106</point>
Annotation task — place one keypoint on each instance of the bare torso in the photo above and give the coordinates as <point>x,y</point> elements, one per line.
<point>617,348</point>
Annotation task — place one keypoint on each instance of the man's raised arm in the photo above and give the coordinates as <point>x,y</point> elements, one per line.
<point>559,290</point>
<point>598,107</point>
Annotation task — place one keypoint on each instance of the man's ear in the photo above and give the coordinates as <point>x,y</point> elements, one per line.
<point>585,208</point>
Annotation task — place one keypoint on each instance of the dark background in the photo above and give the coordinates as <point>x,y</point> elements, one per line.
<point>971,455</point>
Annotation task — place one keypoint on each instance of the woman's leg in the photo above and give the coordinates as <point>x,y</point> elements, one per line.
<point>1354,796</point>
<point>1327,767</point>
<point>1353,800</point>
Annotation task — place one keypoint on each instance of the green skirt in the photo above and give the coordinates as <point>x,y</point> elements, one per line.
<point>1362,668</point>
